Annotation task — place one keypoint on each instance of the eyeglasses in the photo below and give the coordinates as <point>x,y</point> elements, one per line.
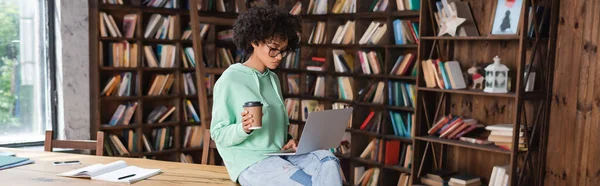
<point>273,52</point>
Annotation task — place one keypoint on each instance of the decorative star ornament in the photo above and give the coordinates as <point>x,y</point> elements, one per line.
<point>450,24</point>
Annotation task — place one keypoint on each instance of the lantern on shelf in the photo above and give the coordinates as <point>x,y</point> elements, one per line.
<point>496,77</point>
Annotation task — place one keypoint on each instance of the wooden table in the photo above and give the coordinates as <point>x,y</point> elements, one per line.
<point>42,172</point>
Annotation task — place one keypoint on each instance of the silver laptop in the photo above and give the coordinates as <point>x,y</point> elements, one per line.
<point>323,130</point>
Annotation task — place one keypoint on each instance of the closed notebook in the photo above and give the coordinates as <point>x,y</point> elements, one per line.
<point>117,171</point>
<point>11,161</point>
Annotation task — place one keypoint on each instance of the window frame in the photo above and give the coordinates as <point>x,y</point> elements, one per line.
<point>48,10</point>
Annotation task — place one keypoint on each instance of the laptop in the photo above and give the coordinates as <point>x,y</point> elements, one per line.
<point>323,130</point>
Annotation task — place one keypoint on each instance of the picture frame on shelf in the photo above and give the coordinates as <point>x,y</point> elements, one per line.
<point>506,19</point>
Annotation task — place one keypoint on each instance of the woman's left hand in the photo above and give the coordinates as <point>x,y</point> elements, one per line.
<point>290,144</point>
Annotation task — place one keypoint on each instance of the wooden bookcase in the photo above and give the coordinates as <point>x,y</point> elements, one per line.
<point>389,174</point>
<point>103,107</point>
<point>516,107</point>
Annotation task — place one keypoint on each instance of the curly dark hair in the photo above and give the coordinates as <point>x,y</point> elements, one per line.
<point>260,23</point>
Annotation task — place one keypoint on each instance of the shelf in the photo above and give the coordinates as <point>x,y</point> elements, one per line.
<point>160,69</point>
<point>118,126</point>
<point>489,148</point>
<point>230,15</point>
<point>191,149</point>
<point>195,96</point>
<point>394,137</point>
<point>214,70</point>
<point>473,38</point>
<point>160,10</point>
<point>160,41</point>
<point>413,46</point>
<point>397,108</point>
<point>329,45</point>
<point>162,152</point>
<point>117,39</point>
<point>382,136</point>
<point>380,76</point>
<point>120,98</point>
<point>469,92</point>
<point>188,123</point>
<point>159,97</point>
<point>397,77</point>
<point>160,125</point>
<point>120,8</point>
<point>405,13</point>
<point>373,14</point>
<point>381,165</point>
<point>118,69</point>
<point>188,69</point>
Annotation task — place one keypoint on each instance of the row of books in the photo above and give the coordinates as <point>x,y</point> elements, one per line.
<point>160,27</point>
<point>318,34</point>
<point>344,7</point>
<point>189,87</point>
<point>224,58</point>
<point>161,84</point>
<point>395,152</point>
<point>402,5</point>
<point>317,7</point>
<point>125,112</point>
<point>292,61</point>
<point>188,57</point>
<point>120,85</point>
<point>109,26</point>
<point>372,93</point>
<point>119,54</point>
<point>369,177</point>
<point>160,114</point>
<point>161,3</point>
<point>401,123</point>
<point>120,2</point>
<point>402,94</point>
<point>345,90</point>
<point>166,53</point>
<point>218,5</point>
<point>187,33</point>
<point>296,9</point>
<point>453,127</point>
<point>374,33</point>
<point>344,33</point>
<point>225,35</point>
<point>114,146</point>
<point>445,75</point>
<point>406,32</point>
<point>186,158</point>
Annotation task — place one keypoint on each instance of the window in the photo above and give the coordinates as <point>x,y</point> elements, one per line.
<point>26,77</point>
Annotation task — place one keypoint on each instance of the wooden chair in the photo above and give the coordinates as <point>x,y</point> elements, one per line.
<point>97,145</point>
<point>209,149</point>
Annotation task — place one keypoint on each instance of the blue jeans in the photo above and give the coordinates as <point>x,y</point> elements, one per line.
<point>319,167</point>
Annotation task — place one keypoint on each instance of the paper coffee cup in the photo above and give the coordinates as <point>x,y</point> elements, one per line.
<point>255,108</point>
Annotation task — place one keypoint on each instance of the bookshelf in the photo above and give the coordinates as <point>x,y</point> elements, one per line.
<point>320,53</point>
<point>523,110</point>
<point>174,133</point>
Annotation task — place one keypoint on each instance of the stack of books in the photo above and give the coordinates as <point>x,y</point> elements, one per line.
<point>502,136</point>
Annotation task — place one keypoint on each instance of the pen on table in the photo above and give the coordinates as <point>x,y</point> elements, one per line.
<point>131,175</point>
<point>74,161</point>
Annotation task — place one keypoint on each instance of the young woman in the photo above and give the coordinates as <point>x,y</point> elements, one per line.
<point>267,34</point>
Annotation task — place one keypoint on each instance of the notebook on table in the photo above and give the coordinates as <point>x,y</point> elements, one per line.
<point>117,171</point>
<point>11,161</point>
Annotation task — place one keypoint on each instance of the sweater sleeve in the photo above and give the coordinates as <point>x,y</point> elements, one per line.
<point>224,129</point>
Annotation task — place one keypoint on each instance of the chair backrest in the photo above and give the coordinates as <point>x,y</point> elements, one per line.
<point>97,145</point>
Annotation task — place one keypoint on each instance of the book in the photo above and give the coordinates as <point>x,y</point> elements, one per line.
<point>11,161</point>
<point>117,171</point>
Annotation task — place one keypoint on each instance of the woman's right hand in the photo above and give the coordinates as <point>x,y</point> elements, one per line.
<point>247,121</point>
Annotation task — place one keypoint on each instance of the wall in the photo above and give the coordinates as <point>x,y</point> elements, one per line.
<point>573,144</point>
<point>72,38</point>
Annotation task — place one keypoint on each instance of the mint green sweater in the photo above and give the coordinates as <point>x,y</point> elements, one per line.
<point>237,85</point>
